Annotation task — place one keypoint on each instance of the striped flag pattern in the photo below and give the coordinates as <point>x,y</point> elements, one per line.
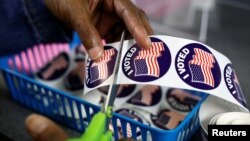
<point>146,62</point>
<point>238,89</point>
<point>201,66</point>
<point>99,69</point>
<point>146,95</point>
<point>128,127</point>
<point>33,59</point>
<point>174,119</point>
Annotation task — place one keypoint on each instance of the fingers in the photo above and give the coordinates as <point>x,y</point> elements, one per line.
<point>91,39</point>
<point>77,14</point>
<point>145,22</point>
<point>129,13</point>
<point>82,23</point>
<point>43,129</point>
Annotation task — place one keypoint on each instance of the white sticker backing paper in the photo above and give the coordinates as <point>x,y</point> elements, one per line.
<point>171,62</point>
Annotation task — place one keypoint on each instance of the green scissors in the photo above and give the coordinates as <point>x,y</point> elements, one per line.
<point>98,129</point>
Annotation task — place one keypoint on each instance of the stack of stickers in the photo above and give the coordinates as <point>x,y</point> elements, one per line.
<point>231,118</point>
<point>159,107</point>
<point>65,66</point>
<point>66,72</point>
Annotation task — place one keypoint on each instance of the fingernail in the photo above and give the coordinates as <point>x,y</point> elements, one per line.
<point>149,43</point>
<point>95,53</point>
<point>35,125</point>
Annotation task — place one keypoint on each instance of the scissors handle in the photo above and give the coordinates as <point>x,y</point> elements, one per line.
<point>96,130</point>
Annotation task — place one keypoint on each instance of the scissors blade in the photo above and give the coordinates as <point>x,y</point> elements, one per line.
<point>113,88</point>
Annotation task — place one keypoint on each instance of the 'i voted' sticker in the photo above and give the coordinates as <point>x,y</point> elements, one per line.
<point>198,67</point>
<point>149,95</point>
<point>123,91</point>
<point>167,119</point>
<point>56,68</point>
<point>144,65</point>
<point>182,100</point>
<point>100,70</point>
<point>233,85</point>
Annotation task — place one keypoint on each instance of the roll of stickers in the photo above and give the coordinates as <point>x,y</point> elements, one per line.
<point>182,100</point>
<point>231,118</point>
<point>176,63</point>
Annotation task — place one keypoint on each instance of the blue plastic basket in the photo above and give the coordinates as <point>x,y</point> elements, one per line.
<point>51,102</point>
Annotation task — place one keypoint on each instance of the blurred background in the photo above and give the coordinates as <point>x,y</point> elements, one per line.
<point>222,24</point>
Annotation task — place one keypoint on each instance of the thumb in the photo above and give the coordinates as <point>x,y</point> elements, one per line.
<point>43,129</point>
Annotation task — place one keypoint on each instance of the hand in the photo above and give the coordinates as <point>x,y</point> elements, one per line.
<point>97,19</point>
<point>43,129</point>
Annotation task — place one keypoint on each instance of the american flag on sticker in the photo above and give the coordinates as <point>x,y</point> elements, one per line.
<point>146,62</point>
<point>99,69</point>
<point>201,66</point>
<point>238,89</point>
<point>170,119</point>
